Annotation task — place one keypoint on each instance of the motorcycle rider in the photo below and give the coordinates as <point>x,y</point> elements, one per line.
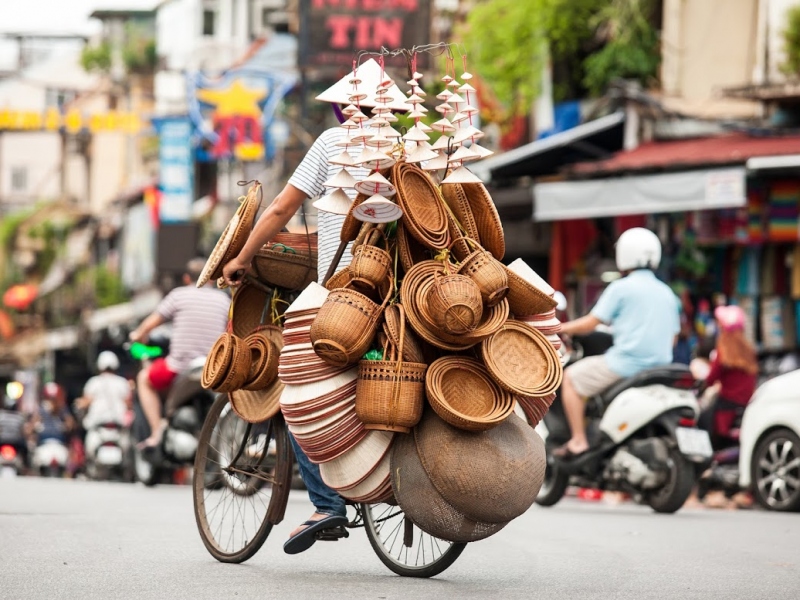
<point>106,397</point>
<point>199,316</point>
<point>644,315</point>
<point>735,368</point>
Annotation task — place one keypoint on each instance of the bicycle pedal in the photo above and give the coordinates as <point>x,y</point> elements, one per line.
<point>332,535</point>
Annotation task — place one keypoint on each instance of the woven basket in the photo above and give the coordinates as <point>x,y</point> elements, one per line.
<point>371,266</point>
<point>227,366</point>
<point>525,299</point>
<point>502,476</point>
<point>234,236</point>
<point>487,273</point>
<point>423,504</point>
<point>263,362</point>
<point>390,393</point>
<point>345,326</point>
<point>522,360</point>
<point>412,348</point>
<point>490,228</point>
<point>351,225</point>
<point>463,393</point>
<point>257,406</point>
<point>285,267</point>
<point>424,212</point>
<point>454,303</point>
<point>410,250</point>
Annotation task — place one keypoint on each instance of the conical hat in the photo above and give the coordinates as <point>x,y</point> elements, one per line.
<point>337,203</point>
<point>369,72</point>
<point>462,175</point>
<point>312,297</point>
<point>377,209</point>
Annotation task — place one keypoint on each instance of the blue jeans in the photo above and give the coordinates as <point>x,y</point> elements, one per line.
<point>324,499</point>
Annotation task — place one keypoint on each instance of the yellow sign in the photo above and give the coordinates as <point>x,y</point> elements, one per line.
<point>237,120</point>
<point>73,121</point>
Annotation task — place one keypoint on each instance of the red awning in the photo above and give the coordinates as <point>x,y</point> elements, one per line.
<point>732,149</point>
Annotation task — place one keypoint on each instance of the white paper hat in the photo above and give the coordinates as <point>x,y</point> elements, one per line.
<point>369,72</point>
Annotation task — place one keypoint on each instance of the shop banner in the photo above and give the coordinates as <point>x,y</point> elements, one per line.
<point>176,168</point>
<point>333,31</point>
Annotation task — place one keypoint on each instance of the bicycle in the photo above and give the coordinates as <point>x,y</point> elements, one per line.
<point>243,474</point>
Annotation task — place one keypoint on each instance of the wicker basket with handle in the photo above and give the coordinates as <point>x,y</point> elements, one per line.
<point>371,265</point>
<point>390,393</point>
<point>487,273</point>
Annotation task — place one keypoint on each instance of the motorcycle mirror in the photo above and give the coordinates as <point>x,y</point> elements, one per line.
<point>141,351</point>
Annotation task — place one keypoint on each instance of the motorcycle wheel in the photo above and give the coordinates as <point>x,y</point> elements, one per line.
<point>775,471</point>
<point>674,493</point>
<point>554,485</point>
<point>145,471</point>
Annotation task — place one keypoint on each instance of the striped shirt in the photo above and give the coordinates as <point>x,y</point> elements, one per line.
<point>310,177</point>
<point>198,318</point>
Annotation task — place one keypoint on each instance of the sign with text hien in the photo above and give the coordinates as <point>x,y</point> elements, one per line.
<point>176,168</point>
<point>333,31</point>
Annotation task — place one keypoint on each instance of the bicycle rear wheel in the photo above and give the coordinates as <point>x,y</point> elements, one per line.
<point>403,547</point>
<point>242,477</point>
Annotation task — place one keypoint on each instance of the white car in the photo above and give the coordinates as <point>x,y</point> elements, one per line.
<point>769,459</point>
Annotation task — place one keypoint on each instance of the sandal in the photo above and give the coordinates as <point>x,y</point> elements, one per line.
<point>564,453</point>
<point>303,540</point>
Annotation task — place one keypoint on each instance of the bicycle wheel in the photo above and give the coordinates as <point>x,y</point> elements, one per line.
<point>242,477</point>
<point>402,546</point>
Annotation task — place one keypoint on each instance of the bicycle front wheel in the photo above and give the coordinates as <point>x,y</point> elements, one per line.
<point>242,477</point>
<point>403,547</point>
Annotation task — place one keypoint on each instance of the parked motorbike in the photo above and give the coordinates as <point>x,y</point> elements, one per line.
<point>185,408</point>
<point>50,457</point>
<point>642,434</point>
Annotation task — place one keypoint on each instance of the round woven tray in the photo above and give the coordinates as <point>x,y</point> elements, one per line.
<point>263,362</point>
<point>424,213</point>
<point>490,228</point>
<point>257,406</point>
<point>249,309</point>
<point>233,237</point>
<point>502,477</point>
<point>227,366</point>
<point>424,505</point>
<point>522,360</point>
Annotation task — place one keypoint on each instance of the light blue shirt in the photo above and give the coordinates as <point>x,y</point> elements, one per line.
<point>644,315</point>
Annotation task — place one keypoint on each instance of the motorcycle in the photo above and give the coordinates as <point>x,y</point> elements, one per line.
<point>50,457</point>
<point>107,447</point>
<point>642,434</point>
<point>185,408</point>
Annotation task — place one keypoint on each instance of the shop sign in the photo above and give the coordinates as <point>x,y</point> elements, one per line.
<point>72,121</point>
<point>333,31</point>
<point>176,168</point>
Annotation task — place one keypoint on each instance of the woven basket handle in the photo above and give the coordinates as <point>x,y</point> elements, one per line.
<point>381,234</point>
<point>475,245</point>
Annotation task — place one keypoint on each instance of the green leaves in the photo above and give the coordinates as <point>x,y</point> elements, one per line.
<point>791,42</point>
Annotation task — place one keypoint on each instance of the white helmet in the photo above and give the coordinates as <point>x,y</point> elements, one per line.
<point>638,248</point>
<point>107,361</point>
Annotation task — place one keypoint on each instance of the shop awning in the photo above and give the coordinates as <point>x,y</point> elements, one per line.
<point>590,141</point>
<point>636,195</point>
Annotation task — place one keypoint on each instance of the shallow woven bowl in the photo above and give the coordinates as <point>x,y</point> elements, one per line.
<point>257,406</point>
<point>493,476</point>
<point>524,298</point>
<point>522,360</point>
<point>463,393</point>
<point>424,212</point>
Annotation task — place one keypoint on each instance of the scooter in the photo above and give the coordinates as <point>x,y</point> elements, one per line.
<point>185,407</point>
<point>107,447</point>
<point>50,457</point>
<point>643,439</point>
<point>11,463</point>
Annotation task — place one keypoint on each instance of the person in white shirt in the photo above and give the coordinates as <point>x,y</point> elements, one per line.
<point>106,398</point>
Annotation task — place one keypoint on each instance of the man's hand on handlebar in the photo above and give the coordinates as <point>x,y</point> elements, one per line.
<point>137,336</point>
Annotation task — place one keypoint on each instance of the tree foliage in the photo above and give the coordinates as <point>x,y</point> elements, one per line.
<point>791,42</point>
<point>508,40</point>
<point>96,58</point>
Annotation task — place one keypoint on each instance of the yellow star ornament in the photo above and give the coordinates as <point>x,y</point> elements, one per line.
<point>234,101</point>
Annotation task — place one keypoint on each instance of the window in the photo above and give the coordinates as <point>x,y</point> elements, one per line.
<point>209,21</point>
<point>19,179</point>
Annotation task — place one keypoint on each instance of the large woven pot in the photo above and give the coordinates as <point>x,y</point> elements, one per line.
<point>424,505</point>
<point>492,476</point>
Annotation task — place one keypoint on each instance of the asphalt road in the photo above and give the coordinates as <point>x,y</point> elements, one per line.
<point>80,540</point>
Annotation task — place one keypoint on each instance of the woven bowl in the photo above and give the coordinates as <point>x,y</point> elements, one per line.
<point>463,393</point>
<point>522,360</point>
<point>257,406</point>
<point>502,476</point>
<point>524,298</point>
<point>249,309</point>
<point>424,212</point>
<point>263,362</point>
